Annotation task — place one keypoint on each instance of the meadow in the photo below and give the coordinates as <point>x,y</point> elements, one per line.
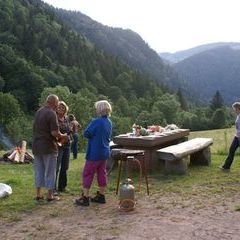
<point>200,182</point>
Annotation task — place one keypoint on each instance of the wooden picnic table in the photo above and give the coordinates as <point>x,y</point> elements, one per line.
<point>151,143</point>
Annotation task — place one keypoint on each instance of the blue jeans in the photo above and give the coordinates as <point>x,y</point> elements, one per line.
<point>75,145</point>
<point>228,162</point>
<point>62,167</point>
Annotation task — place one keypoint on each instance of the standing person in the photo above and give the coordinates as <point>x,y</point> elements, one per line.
<point>75,126</point>
<point>98,133</point>
<point>45,135</point>
<point>236,140</point>
<point>63,149</point>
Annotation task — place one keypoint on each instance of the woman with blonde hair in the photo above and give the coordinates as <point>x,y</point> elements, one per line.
<point>63,148</point>
<point>98,133</point>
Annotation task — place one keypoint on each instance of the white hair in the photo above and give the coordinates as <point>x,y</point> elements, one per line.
<point>236,105</point>
<point>103,108</point>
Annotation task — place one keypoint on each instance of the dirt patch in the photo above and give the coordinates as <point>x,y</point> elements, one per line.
<point>169,217</point>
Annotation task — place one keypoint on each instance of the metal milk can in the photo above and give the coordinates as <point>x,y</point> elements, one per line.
<point>127,195</point>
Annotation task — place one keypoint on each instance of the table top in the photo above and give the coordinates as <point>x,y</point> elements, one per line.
<point>150,140</point>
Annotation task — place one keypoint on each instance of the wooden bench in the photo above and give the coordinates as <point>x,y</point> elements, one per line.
<point>176,156</point>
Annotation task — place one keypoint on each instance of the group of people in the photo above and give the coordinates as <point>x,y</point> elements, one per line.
<point>53,132</point>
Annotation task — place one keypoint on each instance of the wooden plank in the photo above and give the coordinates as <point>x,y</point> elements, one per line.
<point>183,149</point>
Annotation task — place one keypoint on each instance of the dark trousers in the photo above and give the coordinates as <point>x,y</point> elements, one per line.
<point>228,162</point>
<point>75,145</point>
<point>62,167</point>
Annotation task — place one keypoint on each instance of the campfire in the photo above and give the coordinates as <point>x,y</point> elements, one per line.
<point>18,155</point>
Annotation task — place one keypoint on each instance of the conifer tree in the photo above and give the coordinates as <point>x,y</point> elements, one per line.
<point>182,100</point>
<point>217,101</point>
<point>218,119</point>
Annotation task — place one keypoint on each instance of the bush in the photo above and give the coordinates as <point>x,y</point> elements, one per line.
<point>9,108</point>
<point>20,129</point>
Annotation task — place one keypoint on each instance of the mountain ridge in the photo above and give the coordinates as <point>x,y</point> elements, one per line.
<point>183,54</point>
<point>212,70</point>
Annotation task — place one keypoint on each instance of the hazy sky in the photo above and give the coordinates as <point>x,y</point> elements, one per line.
<point>166,25</point>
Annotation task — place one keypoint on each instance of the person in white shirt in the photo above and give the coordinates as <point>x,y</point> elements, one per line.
<point>236,140</point>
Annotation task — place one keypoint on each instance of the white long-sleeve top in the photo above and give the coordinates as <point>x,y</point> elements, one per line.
<point>237,123</point>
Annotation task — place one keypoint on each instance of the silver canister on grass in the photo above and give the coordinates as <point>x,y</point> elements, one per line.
<point>127,195</point>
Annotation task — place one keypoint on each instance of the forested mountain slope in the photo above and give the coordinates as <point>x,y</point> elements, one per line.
<point>216,69</point>
<point>125,44</point>
<point>38,50</point>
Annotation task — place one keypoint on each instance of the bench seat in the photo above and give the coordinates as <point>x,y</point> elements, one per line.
<point>175,156</point>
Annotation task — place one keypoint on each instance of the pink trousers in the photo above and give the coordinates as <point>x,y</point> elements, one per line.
<point>89,171</point>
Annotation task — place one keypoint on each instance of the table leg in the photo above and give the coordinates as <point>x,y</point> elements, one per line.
<point>151,159</point>
<point>146,180</point>
<point>145,171</point>
<point>119,175</point>
<point>140,175</point>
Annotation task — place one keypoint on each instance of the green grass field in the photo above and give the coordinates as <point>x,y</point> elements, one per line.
<point>222,139</point>
<point>199,180</point>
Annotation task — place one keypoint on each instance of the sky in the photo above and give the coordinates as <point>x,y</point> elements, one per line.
<point>166,25</point>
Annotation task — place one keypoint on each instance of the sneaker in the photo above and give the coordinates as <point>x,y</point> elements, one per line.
<point>55,193</point>
<point>99,198</point>
<point>39,198</point>
<point>224,169</point>
<point>82,201</point>
<point>53,199</point>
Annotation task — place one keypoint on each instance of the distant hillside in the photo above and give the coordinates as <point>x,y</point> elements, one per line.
<point>212,70</point>
<point>181,55</point>
<point>125,44</point>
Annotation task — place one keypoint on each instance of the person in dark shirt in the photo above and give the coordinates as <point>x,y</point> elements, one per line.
<point>98,133</point>
<point>44,147</point>
<point>75,126</point>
